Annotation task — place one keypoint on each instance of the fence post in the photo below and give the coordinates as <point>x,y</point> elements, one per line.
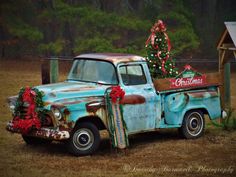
<point>54,72</point>
<point>227,85</point>
<point>45,73</point>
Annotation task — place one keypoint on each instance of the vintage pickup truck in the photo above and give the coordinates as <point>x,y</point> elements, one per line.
<point>76,109</point>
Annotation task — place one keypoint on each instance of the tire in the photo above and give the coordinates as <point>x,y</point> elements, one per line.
<point>193,125</point>
<point>84,140</point>
<point>30,140</point>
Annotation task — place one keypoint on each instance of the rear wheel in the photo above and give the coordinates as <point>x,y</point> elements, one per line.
<point>35,140</point>
<point>84,140</point>
<point>193,124</point>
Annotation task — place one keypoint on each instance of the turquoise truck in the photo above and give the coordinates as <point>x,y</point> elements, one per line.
<point>74,111</point>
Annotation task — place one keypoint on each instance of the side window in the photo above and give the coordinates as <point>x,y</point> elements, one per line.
<point>132,75</point>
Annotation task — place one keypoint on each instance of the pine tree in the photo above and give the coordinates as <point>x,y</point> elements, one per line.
<point>158,48</point>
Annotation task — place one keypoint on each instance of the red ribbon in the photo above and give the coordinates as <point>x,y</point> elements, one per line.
<point>26,124</point>
<point>152,39</point>
<point>163,66</point>
<point>116,93</point>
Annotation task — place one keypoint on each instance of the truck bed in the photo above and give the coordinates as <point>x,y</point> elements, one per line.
<point>164,85</point>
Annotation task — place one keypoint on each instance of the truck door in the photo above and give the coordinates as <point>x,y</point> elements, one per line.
<point>141,104</point>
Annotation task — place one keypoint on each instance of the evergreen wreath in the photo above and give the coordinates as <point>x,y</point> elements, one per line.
<point>29,102</point>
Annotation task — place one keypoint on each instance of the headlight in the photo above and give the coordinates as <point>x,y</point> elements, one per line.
<point>12,107</point>
<point>12,103</point>
<point>26,104</point>
<point>57,113</point>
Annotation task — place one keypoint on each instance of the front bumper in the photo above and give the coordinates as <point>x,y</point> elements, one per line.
<point>46,133</point>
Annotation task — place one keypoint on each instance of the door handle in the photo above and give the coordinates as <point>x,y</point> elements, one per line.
<point>148,89</point>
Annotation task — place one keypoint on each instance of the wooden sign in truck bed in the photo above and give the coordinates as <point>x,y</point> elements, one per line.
<point>170,84</point>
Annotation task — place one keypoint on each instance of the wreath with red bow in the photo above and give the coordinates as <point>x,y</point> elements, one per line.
<point>29,102</point>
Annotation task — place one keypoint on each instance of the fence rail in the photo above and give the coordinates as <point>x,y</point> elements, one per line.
<point>195,60</point>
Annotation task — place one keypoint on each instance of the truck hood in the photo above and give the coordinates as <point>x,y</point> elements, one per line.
<point>69,91</point>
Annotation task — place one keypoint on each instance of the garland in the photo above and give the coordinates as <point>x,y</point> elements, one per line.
<point>117,126</point>
<point>25,122</point>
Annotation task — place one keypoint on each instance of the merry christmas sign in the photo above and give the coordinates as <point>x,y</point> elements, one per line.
<point>188,78</point>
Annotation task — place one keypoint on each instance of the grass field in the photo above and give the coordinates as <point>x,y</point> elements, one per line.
<point>161,153</point>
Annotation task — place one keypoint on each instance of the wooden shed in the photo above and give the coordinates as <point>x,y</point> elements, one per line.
<point>227,51</point>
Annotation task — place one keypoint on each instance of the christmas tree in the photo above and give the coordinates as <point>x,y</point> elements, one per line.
<point>158,48</point>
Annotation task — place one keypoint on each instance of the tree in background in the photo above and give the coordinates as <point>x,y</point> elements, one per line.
<point>67,28</point>
<point>158,48</point>
<point>59,27</point>
<point>19,32</point>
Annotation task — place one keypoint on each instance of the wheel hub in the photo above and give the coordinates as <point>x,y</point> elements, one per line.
<point>195,124</point>
<point>83,139</point>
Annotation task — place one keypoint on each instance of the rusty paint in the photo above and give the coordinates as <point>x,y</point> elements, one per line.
<point>203,94</point>
<point>63,109</point>
<point>59,106</point>
<point>126,60</point>
<point>113,57</point>
<point>80,100</point>
<point>186,97</point>
<point>48,133</point>
<point>133,99</point>
<point>213,93</point>
<point>94,106</point>
<point>66,111</point>
<point>51,134</point>
<point>46,103</point>
<point>64,127</point>
<point>79,89</point>
<point>71,124</point>
<point>72,102</point>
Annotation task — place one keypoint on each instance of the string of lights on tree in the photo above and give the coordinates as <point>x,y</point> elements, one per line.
<point>158,48</point>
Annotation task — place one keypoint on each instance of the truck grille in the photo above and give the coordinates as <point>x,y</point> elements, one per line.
<point>22,111</point>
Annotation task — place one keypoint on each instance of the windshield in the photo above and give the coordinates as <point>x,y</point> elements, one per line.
<point>93,71</point>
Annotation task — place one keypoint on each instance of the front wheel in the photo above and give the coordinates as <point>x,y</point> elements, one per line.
<point>85,139</point>
<point>193,124</point>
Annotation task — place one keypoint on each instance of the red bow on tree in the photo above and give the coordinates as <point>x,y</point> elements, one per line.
<point>187,67</point>
<point>160,26</point>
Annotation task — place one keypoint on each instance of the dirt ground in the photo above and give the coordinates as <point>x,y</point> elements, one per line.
<point>161,153</point>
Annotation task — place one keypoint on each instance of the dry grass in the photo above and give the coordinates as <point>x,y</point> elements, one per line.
<point>160,153</point>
